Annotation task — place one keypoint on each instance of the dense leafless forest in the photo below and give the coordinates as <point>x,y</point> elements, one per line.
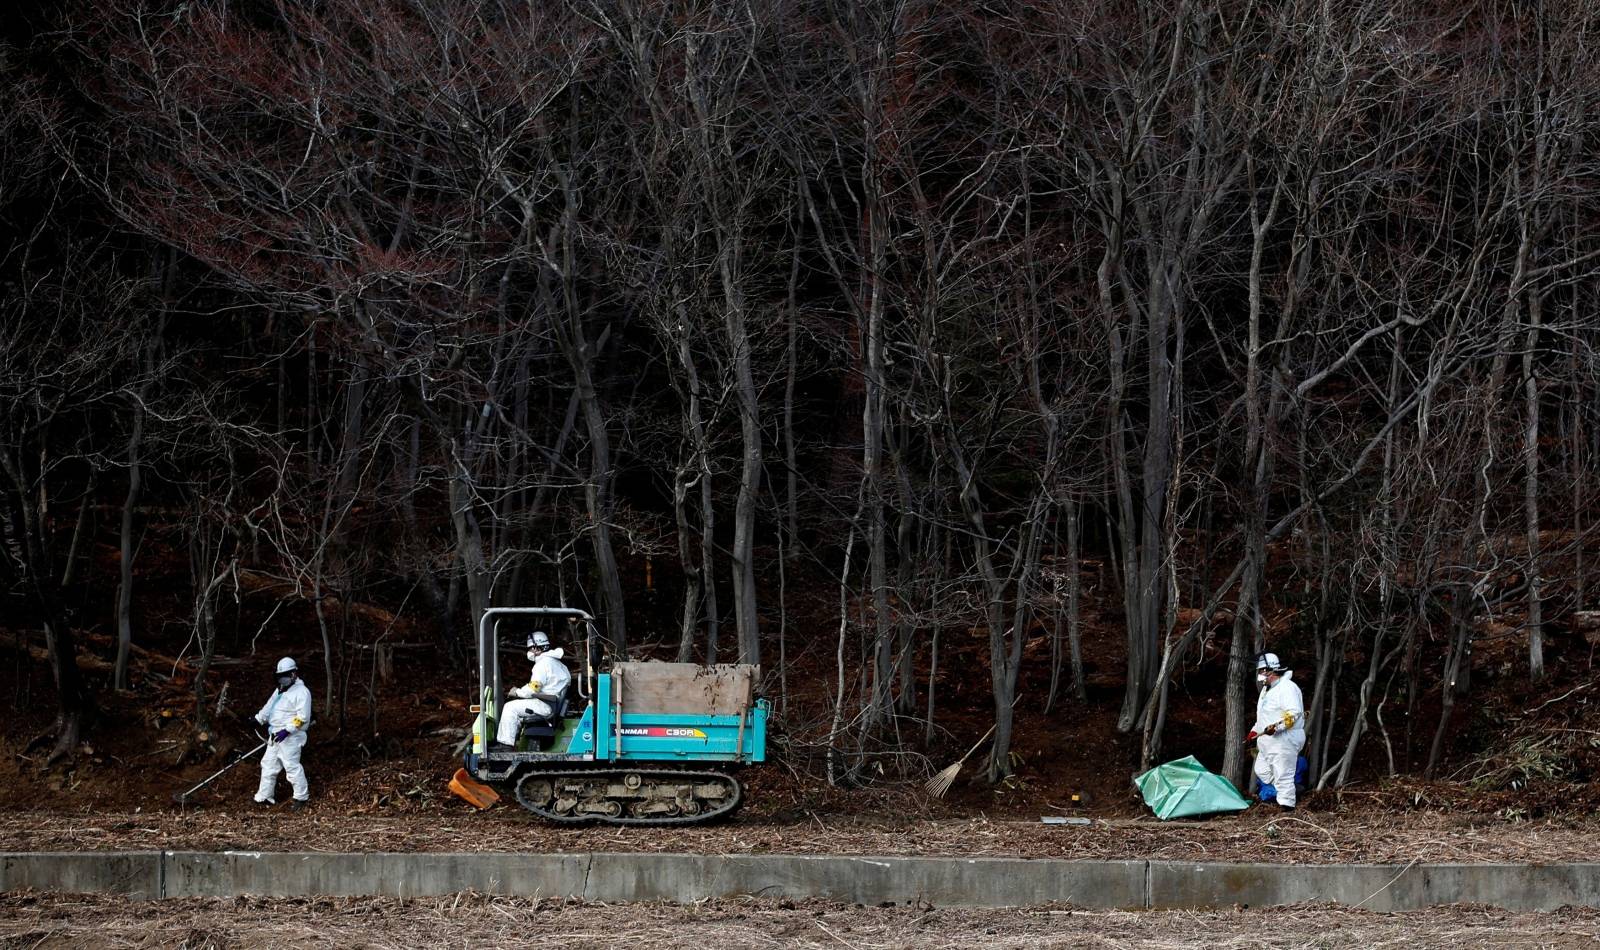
<point>942,317</point>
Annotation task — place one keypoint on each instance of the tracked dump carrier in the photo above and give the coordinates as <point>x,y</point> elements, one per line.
<point>630,744</point>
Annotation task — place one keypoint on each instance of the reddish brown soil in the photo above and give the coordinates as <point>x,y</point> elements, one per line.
<point>1517,753</point>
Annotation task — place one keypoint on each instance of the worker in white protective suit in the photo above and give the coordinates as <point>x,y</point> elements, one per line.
<point>542,695</point>
<point>285,716</point>
<point>1280,731</point>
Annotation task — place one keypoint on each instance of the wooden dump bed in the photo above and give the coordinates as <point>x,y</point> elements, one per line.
<point>685,689</point>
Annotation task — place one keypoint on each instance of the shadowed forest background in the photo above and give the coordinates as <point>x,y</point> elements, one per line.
<point>1008,363</point>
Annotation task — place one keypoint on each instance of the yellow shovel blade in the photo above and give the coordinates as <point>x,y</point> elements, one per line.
<point>472,791</point>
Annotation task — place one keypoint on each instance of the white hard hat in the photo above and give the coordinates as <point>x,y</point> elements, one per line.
<point>286,665</point>
<point>1269,661</point>
<point>539,639</point>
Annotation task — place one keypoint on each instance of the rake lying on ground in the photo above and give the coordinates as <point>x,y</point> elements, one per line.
<point>941,783</point>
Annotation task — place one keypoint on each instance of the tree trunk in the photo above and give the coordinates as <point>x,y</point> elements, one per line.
<point>1457,672</point>
<point>580,354</point>
<point>1238,701</point>
<point>688,562</point>
<point>119,678</point>
<point>206,575</point>
<point>698,569</point>
<point>1080,690</point>
<point>71,706</point>
<point>61,646</point>
<point>469,538</point>
<point>790,375</point>
<point>900,651</point>
<point>835,767</point>
<point>597,497</point>
<point>1576,445</point>
<point>878,706</point>
<point>708,561</point>
<point>948,553</point>
<point>1530,490</point>
<point>742,554</point>
<point>1260,409</point>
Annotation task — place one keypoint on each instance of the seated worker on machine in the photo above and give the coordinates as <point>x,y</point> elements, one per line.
<point>542,697</point>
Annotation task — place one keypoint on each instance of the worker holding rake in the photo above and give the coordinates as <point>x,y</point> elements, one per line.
<point>285,716</point>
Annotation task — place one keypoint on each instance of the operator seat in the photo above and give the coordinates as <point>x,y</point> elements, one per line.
<point>542,729</point>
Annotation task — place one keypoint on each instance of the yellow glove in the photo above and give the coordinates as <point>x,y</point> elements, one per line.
<point>535,686</point>
<point>1288,720</point>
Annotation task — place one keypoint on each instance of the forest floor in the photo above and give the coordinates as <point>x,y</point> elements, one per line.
<point>388,793</point>
<point>1261,834</point>
<point>1517,782</point>
<point>42,922</point>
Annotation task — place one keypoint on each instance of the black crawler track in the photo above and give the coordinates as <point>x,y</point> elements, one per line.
<point>542,791</point>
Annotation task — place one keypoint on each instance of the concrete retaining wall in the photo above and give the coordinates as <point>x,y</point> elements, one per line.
<point>1374,886</point>
<point>940,881</point>
<point>945,882</point>
<point>202,874</point>
<point>134,873</point>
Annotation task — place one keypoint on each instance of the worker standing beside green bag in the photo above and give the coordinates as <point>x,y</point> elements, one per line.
<point>1184,788</point>
<point>1279,732</point>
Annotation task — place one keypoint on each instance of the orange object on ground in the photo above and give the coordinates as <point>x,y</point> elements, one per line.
<point>472,791</point>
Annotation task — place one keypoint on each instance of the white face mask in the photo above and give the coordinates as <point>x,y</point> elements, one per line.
<point>1261,679</point>
<point>534,654</point>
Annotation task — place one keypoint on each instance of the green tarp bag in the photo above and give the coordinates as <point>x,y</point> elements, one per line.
<point>1183,788</point>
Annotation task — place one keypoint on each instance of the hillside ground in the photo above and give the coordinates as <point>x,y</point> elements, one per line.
<point>1518,755</point>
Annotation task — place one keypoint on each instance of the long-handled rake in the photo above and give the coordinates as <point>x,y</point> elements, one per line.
<point>939,784</point>
<point>182,798</point>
